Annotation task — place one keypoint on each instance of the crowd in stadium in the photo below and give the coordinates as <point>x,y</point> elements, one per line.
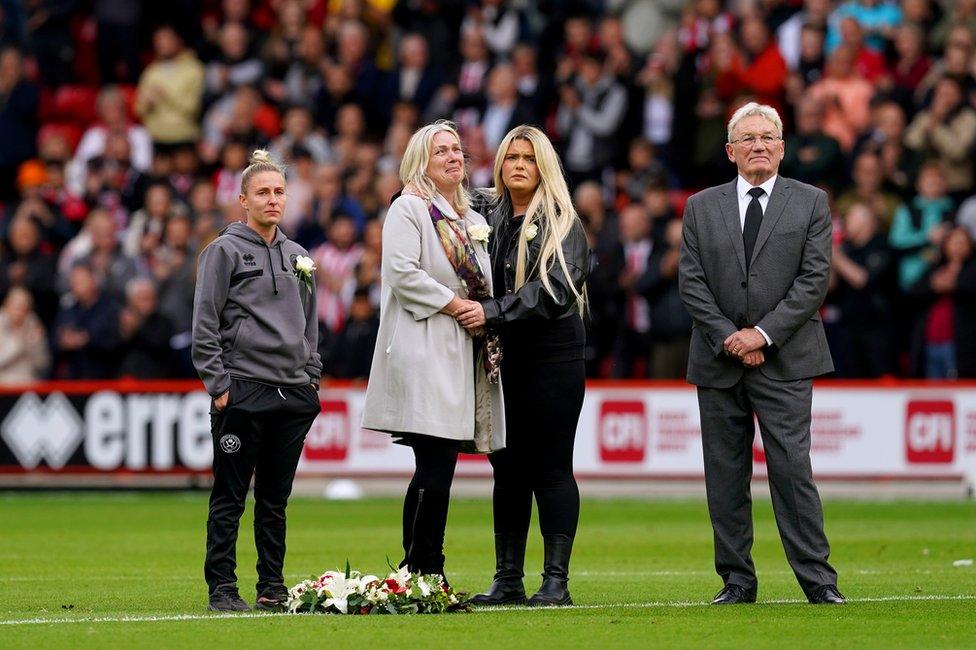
<point>124,128</point>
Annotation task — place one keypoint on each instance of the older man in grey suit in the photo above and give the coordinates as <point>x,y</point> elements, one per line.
<point>755,259</point>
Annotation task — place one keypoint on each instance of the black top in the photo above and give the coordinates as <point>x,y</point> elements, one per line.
<point>534,339</point>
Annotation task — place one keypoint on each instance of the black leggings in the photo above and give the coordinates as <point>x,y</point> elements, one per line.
<point>426,503</point>
<point>542,408</point>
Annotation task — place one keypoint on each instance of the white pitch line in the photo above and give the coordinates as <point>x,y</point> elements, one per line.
<point>487,610</point>
<point>585,574</point>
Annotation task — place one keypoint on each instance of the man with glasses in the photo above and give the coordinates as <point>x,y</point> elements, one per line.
<point>753,272</point>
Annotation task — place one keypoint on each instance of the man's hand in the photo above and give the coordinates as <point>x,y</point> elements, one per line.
<point>220,403</point>
<point>743,342</point>
<point>471,315</point>
<point>754,359</point>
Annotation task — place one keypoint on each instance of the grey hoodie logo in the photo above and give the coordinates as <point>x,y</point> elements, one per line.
<point>248,259</point>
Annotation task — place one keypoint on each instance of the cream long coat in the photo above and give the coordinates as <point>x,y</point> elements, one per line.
<point>423,378</point>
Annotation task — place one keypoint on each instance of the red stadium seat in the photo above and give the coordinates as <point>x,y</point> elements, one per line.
<point>74,104</point>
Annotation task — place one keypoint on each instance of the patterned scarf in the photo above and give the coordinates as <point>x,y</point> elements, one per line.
<point>461,255</point>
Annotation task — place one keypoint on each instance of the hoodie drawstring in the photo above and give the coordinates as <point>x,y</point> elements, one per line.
<point>274,283</point>
<point>281,255</point>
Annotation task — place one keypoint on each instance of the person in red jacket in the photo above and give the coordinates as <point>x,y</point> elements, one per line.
<point>762,73</point>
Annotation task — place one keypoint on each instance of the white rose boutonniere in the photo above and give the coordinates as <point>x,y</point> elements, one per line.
<point>531,231</point>
<point>304,268</point>
<point>480,232</point>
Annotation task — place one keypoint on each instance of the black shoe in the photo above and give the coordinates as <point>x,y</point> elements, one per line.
<point>734,595</point>
<point>827,595</point>
<point>227,599</point>
<point>272,600</point>
<point>554,591</point>
<point>507,587</point>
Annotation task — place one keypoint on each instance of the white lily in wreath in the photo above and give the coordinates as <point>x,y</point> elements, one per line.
<point>480,232</point>
<point>304,268</point>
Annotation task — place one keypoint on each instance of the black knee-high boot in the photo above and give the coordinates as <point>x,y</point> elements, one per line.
<point>555,577</point>
<point>425,546</point>
<point>409,514</point>
<point>507,587</point>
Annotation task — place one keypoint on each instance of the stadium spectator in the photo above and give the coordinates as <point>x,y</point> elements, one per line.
<point>921,225</point>
<point>26,264</point>
<point>504,107</point>
<point>911,65</point>
<point>606,297</point>
<point>868,62</point>
<point>235,66</point>
<point>352,354</point>
<point>760,73</point>
<point>299,130</point>
<point>632,351</point>
<point>302,82</point>
<point>86,330</point>
<point>18,119</point>
<point>112,267</point>
<point>170,91</point>
<point>144,333</point>
<point>592,107</point>
<point>811,155</point>
<point>868,177</point>
<point>946,131</point>
<point>113,119</point>
<point>336,261</point>
<point>862,282</point>
<point>878,19</point>
<point>145,231</point>
<point>498,23</point>
<point>670,332</point>
<point>946,326</point>
<point>885,138</point>
<point>846,97</point>
<point>789,34</point>
<point>24,354</point>
<point>416,78</point>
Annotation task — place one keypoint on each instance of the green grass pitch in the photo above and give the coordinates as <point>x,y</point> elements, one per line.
<point>124,570</point>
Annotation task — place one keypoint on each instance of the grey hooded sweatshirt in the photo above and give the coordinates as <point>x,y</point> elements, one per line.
<point>253,318</point>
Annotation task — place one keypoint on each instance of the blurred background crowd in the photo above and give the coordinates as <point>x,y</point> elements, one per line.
<point>125,126</point>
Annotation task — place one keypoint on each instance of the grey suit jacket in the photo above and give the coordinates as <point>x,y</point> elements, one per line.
<point>785,287</point>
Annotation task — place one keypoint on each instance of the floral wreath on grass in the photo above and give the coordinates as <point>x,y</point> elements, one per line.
<point>351,592</point>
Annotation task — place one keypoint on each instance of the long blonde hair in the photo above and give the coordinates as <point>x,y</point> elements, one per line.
<point>413,167</point>
<point>551,204</point>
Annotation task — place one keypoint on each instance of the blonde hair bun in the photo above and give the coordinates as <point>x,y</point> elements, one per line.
<point>259,156</point>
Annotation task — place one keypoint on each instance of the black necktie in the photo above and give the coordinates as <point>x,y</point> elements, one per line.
<point>750,230</point>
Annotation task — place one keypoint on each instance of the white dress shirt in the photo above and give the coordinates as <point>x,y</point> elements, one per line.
<point>742,187</point>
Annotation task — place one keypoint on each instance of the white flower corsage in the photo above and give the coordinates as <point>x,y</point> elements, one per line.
<point>531,231</point>
<point>304,268</point>
<point>479,232</point>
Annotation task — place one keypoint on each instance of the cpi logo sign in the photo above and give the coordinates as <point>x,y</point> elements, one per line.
<point>930,432</point>
<point>328,439</point>
<point>623,432</point>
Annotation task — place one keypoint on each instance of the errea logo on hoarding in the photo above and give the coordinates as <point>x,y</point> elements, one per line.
<point>48,430</point>
<point>622,431</point>
<point>329,437</point>
<point>930,431</point>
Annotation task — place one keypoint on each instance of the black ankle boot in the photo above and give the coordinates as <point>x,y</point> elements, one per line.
<point>555,577</point>
<point>425,542</point>
<point>507,588</point>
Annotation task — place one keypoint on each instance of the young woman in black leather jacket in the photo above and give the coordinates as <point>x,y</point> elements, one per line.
<point>540,260</point>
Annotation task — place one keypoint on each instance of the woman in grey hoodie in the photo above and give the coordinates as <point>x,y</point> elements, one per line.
<point>254,345</point>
